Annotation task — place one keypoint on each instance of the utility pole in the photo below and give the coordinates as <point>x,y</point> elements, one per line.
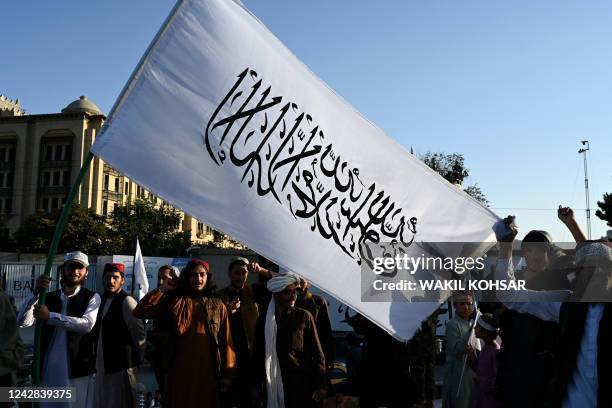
<point>584,151</point>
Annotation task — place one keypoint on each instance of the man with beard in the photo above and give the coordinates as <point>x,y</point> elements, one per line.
<point>527,360</point>
<point>583,373</point>
<point>317,306</point>
<point>204,359</point>
<point>68,352</point>
<point>458,391</point>
<point>239,299</point>
<point>120,337</point>
<point>289,361</point>
<point>159,337</point>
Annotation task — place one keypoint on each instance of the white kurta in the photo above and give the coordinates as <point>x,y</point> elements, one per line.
<point>56,367</point>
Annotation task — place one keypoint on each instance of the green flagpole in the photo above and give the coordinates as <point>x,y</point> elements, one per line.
<point>73,191</point>
<point>59,229</point>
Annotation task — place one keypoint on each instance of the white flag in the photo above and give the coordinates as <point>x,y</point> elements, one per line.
<point>141,282</point>
<point>224,122</point>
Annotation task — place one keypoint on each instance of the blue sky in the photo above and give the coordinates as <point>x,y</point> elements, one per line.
<point>514,86</point>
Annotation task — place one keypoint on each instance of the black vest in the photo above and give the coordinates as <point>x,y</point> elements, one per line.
<point>81,346</point>
<point>118,348</point>
<point>526,360</point>
<point>572,321</point>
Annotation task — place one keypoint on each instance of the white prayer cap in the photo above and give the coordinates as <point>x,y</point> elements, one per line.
<point>488,322</point>
<point>76,256</point>
<point>280,282</point>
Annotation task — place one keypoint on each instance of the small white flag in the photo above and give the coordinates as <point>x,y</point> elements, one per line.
<point>141,283</point>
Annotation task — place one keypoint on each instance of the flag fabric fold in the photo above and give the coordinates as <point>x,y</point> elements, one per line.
<point>224,122</point>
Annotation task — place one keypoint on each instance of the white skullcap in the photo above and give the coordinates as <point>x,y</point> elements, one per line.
<point>280,282</point>
<point>482,322</point>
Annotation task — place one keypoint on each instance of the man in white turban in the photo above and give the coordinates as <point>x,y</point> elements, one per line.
<point>289,360</point>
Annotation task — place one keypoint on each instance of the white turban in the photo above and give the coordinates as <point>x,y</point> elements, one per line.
<point>274,380</point>
<point>596,284</point>
<point>593,253</point>
<point>280,282</point>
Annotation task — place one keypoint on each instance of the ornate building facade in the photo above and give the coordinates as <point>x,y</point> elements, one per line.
<point>41,155</point>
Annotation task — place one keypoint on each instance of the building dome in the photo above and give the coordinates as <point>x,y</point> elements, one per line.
<point>82,105</point>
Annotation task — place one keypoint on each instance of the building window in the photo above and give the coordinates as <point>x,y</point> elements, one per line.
<point>45,204</point>
<point>6,179</point>
<point>66,178</point>
<point>115,205</point>
<point>6,205</point>
<point>106,181</point>
<point>200,228</point>
<point>68,152</point>
<point>56,178</point>
<point>55,203</point>
<point>46,179</point>
<point>117,185</point>
<point>105,207</point>
<point>127,187</point>
<point>7,154</point>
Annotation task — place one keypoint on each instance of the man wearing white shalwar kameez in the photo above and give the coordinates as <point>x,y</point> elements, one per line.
<point>68,357</point>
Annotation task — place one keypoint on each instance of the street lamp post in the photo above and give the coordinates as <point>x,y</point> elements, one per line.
<point>583,151</point>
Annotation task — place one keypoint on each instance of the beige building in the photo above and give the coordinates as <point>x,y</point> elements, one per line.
<point>41,155</point>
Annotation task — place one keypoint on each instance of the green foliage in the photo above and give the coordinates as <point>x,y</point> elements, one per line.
<point>155,226</point>
<point>476,192</point>
<point>452,168</point>
<point>605,209</point>
<point>449,166</point>
<point>84,230</point>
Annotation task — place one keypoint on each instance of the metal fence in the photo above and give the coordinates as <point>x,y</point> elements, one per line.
<point>18,280</point>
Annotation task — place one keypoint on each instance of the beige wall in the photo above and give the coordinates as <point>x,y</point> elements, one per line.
<point>29,131</point>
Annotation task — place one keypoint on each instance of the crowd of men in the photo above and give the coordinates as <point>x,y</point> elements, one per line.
<point>238,347</point>
<point>547,346</point>
<point>270,343</point>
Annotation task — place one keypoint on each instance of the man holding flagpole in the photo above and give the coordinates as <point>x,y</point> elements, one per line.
<point>69,315</point>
